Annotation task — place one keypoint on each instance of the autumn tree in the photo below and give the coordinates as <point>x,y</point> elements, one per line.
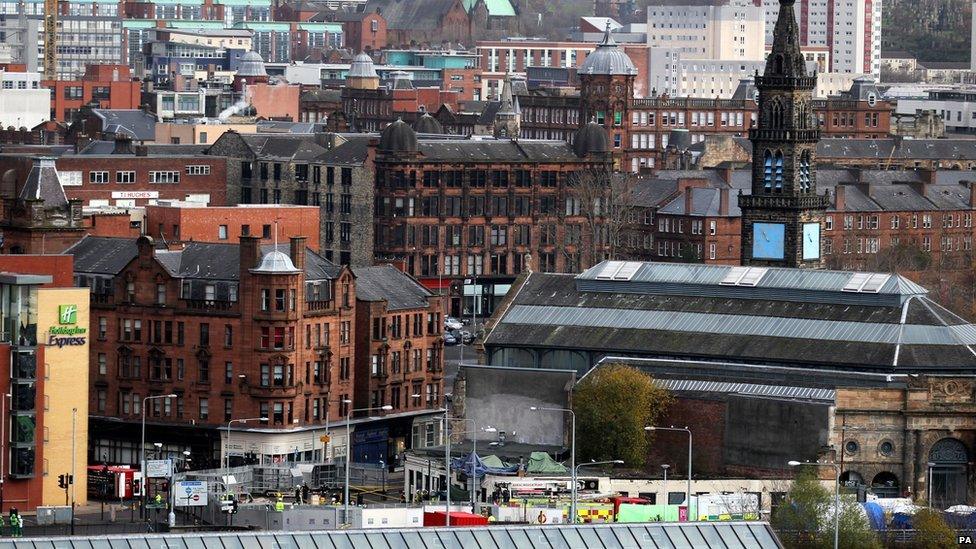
<point>613,404</point>
<point>608,204</point>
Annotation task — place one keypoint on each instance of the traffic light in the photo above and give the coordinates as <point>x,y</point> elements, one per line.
<point>71,479</point>
<point>61,482</point>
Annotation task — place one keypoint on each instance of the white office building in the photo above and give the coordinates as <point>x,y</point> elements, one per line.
<point>23,102</point>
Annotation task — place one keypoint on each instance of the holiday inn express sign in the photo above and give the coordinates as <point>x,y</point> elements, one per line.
<point>67,332</point>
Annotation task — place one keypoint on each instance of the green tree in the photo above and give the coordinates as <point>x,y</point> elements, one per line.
<point>613,405</point>
<point>806,520</point>
<point>931,531</point>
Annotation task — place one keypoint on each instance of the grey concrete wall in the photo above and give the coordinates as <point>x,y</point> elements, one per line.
<point>501,397</point>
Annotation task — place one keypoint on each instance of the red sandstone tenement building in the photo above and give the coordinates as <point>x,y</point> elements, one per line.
<point>235,331</point>
<point>399,351</point>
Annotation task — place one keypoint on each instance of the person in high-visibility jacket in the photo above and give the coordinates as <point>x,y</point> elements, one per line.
<point>280,505</point>
<point>16,524</point>
<point>158,500</point>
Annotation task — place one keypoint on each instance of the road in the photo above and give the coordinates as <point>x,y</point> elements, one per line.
<point>453,356</point>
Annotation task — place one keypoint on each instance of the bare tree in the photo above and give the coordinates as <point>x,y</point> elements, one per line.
<point>607,204</point>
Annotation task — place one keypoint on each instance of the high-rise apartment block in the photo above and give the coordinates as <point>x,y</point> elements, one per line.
<point>849,29</point>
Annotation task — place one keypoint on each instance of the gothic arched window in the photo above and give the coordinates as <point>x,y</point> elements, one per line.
<point>767,171</point>
<point>778,171</point>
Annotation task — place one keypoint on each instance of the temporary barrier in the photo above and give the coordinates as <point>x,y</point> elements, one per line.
<point>439,518</point>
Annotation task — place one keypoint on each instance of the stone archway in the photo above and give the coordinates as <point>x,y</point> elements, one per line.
<point>948,464</point>
<point>885,485</point>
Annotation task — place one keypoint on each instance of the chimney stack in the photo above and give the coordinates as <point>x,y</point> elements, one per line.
<point>249,252</point>
<point>972,193</point>
<point>723,201</point>
<point>689,200</point>
<point>840,195</point>
<point>297,252</point>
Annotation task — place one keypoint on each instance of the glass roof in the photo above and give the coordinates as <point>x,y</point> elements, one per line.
<point>700,535</point>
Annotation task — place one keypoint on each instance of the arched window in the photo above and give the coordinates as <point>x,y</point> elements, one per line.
<point>778,172</point>
<point>805,172</point>
<point>775,114</point>
<point>767,171</point>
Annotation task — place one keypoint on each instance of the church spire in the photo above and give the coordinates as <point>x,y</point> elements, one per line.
<point>785,57</point>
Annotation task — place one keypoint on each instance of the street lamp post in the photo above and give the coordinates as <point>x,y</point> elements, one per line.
<point>836,467</point>
<point>226,459</point>
<point>651,428</point>
<point>345,496</point>
<point>928,487</point>
<point>665,468</point>
<point>74,419</point>
<point>142,455</point>
<point>572,457</point>
<point>3,441</point>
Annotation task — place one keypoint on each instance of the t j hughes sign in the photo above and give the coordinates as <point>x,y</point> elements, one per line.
<point>67,332</point>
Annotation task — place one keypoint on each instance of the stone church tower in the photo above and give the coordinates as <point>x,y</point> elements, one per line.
<point>782,218</point>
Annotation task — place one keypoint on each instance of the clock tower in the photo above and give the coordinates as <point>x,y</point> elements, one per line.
<point>781,219</point>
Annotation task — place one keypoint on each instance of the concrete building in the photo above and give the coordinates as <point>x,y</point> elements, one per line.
<point>956,106</point>
<point>849,29</point>
<point>23,101</point>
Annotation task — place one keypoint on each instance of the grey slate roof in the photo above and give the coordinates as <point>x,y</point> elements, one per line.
<point>197,260</point>
<point>138,124</point>
<point>102,255</point>
<point>794,317</point>
<point>353,152</point>
<point>474,150</point>
<point>102,148</point>
<point>386,283</point>
<point>44,184</point>
<point>284,146</point>
<point>704,202</point>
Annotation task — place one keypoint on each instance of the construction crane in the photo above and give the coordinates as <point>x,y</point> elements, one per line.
<point>50,39</point>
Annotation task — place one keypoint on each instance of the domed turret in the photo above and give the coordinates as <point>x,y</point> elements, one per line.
<point>252,64</point>
<point>591,138</point>
<point>276,262</point>
<point>362,74</point>
<point>398,137</point>
<point>607,59</point>
<point>427,124</point>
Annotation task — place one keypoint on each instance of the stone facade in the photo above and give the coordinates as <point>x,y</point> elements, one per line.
<point>889,436</point>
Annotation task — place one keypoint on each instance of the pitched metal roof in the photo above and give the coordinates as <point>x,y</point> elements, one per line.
<point>749,389</point>
<point>386,283</point>
<point>43,183</point>
<point>835,320</point>
<point>701,535</point>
